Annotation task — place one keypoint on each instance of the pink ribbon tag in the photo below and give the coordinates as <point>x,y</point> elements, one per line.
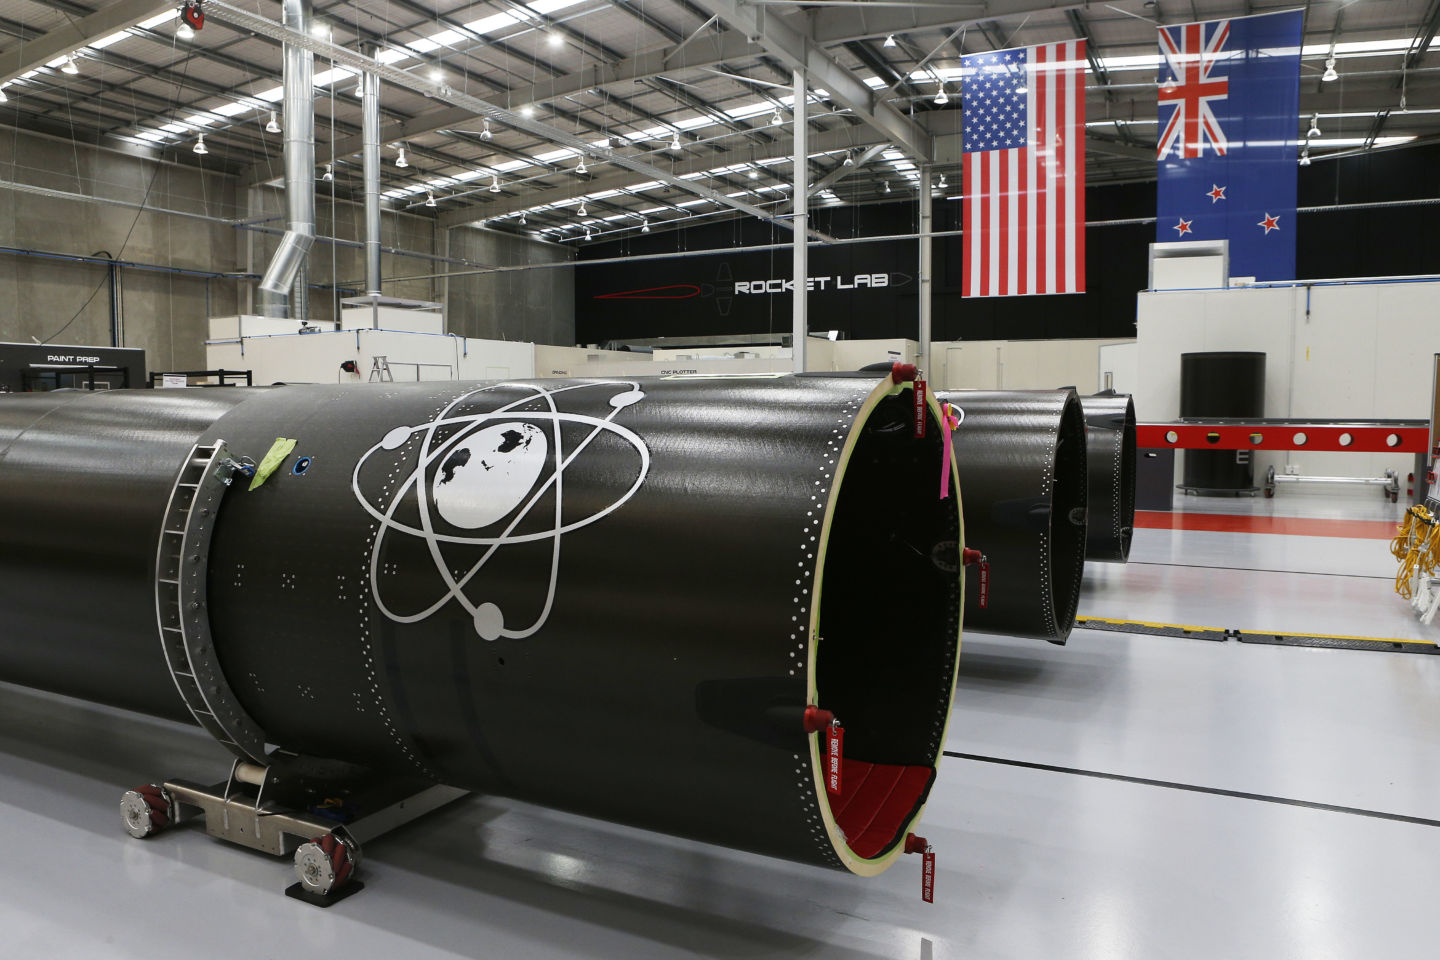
<point>949,421</point>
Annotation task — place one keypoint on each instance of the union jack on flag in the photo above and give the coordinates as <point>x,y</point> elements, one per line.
<point>1189,87</point>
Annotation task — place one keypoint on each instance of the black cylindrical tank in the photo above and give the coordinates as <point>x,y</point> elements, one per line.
<point>1110,454</point>
<point>615,597</point>
<point>1228,384</point>
<point>1021,459</point>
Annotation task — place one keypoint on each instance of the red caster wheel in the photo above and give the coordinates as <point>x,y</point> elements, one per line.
<point>326,869</point>
<point>146,809</point>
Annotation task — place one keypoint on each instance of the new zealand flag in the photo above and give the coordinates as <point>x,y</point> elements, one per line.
<point>1229,106</point>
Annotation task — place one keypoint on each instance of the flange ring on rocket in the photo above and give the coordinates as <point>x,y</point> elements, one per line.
<point>615,597</point>
<point>1021,460</point>
<point>1110,435</point>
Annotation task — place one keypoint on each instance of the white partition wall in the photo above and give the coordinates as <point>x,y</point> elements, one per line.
<point>1358,351</point>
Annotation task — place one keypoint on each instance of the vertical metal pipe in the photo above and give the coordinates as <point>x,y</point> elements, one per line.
<point>800,321</point>
<point>370,111</point>
<point>286,273</point>
<point>927,268</point>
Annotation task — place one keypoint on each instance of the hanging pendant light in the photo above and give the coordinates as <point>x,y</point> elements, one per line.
<point>644,225</point>
<point>1330,73</point>
<point>274,125</point>
<point>580,167</point>
<point>429,198</point>
<point>887,186</point>
<point>582,212</point>
<point>400,160</point>
<point>485,134</point>
<point>329,173</point>
<point>849,161</point>
<point>942,97</point>
<point>522,218</point>
<point>69,66</point>
<point>1305,156</point>
<point>776,119</point>
<point>1314,130</point>
<point>494,183</point>
<point>184,31</point>
<point>675,142</point>
<point>200,147</point>
<point>890,41</point>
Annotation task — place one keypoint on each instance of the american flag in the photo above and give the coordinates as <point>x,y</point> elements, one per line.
<point>1024,190</point>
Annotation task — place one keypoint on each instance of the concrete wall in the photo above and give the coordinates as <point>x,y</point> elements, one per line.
<point>535,305</point>
<point>163,313</point>
<point>165,310</point>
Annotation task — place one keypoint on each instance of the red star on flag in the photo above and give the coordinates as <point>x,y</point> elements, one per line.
<point>1216,192</point>
<point>1269,223</point>
<point>1183,227</point>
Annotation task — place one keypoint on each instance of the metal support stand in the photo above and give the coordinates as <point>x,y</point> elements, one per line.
<point>317,811</point>
<point>1389,484</point>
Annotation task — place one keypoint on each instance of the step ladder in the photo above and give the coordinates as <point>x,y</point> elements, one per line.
<point>380,370</point>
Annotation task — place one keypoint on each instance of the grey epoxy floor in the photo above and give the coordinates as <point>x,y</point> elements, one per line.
<point>1032,862</point>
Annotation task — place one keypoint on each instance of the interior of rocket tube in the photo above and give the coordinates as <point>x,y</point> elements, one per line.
<point>1068,500</point>
<point>889,624</point>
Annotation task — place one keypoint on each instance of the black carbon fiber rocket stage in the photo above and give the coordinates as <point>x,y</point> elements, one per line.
<point>1021,460</point>
<point>1110,430</point>
<point>616,597</point>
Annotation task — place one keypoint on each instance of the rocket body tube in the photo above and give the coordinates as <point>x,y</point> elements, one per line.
<point>615,597</point>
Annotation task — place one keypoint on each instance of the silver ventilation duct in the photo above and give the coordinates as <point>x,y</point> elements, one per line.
<point>286,272</point>
<point>370,107</point>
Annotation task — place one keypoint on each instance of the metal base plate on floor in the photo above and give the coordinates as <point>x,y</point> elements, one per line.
<point>297,891</point>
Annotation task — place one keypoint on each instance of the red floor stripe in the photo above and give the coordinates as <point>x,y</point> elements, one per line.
<point>1293,526</point>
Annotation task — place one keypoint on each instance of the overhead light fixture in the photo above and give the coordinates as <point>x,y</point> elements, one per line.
<point>887,186</point>
<point>644,225</point>
<point>274,125</point>
<point>675,142</point>
<point>1330,73</point>
<point>942,97</point>
<point>776,119</point>
<point>942,184</point>
<point>495,183</point>
<point>580,167</point>
<point>184,31</point>
<point>554,39</point>
<point>429,198</point>
<point>359,91</point>
<point>400,160</point>
<point>582,211</point>
<point>200,147</point>
<point>329,175</point>
<point>890,41</point>
<point>3,98</point>
<point>1314,130</point>
<point>522,218</point>
<point>754,175</point>
<point>587,233</point>
<point>849,161</point>
<point>69,66</point>
<point>485,133</point>
<point>527,110</point>
<point>1305,156</point>
<point>436,75</point>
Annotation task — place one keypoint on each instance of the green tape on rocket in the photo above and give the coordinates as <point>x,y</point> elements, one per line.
<point>279,450</point>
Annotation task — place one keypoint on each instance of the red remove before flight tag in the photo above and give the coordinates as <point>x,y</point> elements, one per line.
<point>919,408</point>
<point>927,877</point>
<point>834,755</point>
<point>984,584</point>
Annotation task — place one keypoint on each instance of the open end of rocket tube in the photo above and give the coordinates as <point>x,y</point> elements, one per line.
<point>886,628</point>
<point>1068,499</point>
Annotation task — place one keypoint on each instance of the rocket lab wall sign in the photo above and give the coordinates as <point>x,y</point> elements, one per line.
<point>486,477</point>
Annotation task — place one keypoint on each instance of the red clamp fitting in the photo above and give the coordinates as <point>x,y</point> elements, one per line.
<point>970,556</point>
<point>902,372</point>
<point>914,844</point>
<point>817,719</point>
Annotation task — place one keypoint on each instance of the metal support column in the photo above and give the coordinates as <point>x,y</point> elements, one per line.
<point>370,119</point>
<point>926,269</point>
<point>800,320</point>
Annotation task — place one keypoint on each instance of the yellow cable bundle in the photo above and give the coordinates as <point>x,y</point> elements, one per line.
<point>1417,547</point>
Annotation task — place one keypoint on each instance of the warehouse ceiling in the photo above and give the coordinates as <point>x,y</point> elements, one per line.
<point>700,89</point>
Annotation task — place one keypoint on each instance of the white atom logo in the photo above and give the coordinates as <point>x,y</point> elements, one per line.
<point>487,466</point>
